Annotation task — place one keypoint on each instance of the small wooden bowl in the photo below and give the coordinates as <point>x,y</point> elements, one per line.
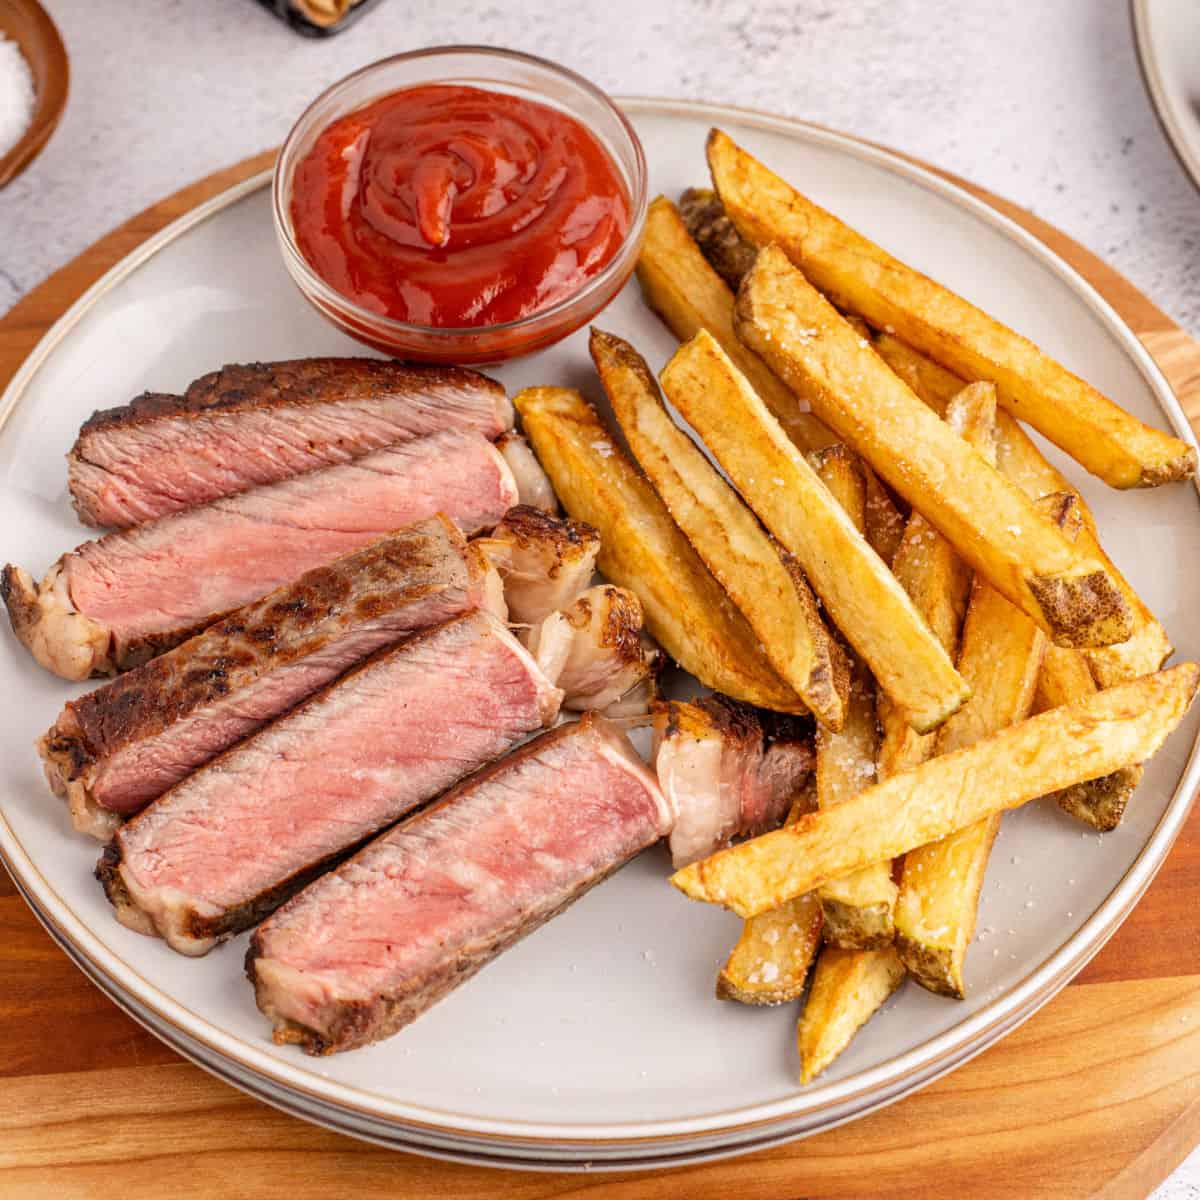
<point>28,24</point>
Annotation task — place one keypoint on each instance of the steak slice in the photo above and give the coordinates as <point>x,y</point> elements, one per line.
<point>219,851</point>
<point>115,602</point>
<point>731,770</point>
<point>113,751</point>
<point>243,426</point>
<point>372,945</point>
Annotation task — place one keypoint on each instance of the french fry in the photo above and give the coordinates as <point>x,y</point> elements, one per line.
<point>936,578</point>
<point>1100,803</point>
<point>990,523</point>
<point>848,988</point>
<point>858,968</point>
<point>643,550</point>
<point>857,909</point>
<point>681,286</point>
<point>842,472</point>
<point>1019,460</point>
<point>777,603</point>
<point>1046,753</point>
<point>939,889</point>
<point>770,963</point>
<point>862,278</point>
<point>860,594</point>
<point>1064,678</point>
<point>884,526</point>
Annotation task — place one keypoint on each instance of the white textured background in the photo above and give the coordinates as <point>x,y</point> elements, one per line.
<point>1040,102</point>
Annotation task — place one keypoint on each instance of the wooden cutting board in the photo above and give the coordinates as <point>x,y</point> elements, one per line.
<point>1097,1096</point>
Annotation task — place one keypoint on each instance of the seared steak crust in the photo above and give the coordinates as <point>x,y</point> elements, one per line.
<point>238,387</point>
<point>192,928</point>
<point>246,425</point>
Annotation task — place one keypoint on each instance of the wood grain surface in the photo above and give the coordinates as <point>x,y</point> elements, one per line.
<point>1098,1095</point>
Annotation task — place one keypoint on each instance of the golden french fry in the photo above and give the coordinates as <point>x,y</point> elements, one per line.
<point>643,550</point>
<point>1019,460</point>
<point>769,964</point>
<point>848,988</point>
<point>731,256</point>
<point>884,521</point>
<point>937,579</point>
<point>776,602</point>
<point>1110,730</point>
<point>1064,678</point>
<point>939,890</point>
<point>857,907</point>
<point>679,284</point>
<point>842,472</point>
<point>990,523</point>
<point>862,278</point>
<point>860,594</point>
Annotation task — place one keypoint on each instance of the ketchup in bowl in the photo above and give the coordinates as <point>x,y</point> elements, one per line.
<point>451,206</point>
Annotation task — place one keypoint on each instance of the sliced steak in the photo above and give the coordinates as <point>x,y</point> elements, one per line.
<point>117,601</point>
<point>371,946</point>
<point>729,769</point>
<point>244,426</point>
<point>113,751</point>
<point>223,848</point>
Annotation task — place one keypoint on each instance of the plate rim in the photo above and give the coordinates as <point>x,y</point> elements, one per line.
<point>942,1051</point>
<point>1167,115</point>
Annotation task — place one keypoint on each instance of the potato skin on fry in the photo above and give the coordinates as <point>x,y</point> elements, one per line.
<point>990,523</point>
<point>1046,753</point>
<point>707,221</point>
<point>862,278</point>
<point>643,550</point>
<point>1100,803</point>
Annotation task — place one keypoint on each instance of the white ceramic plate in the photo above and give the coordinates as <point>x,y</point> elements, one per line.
<point>1167,33</point>
<point>597,1039</point>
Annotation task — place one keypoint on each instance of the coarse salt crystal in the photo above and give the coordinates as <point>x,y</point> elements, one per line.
<point>16,94</point>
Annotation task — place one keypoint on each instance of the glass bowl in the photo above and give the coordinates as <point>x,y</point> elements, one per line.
<point>498,70</point>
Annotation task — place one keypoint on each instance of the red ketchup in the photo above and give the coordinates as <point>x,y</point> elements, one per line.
<point>453,206</point>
